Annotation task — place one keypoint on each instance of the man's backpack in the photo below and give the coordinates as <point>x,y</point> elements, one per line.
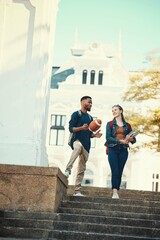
<point>111,127</point>
<point>72,135</point>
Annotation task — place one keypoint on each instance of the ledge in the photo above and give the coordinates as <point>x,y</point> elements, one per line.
<point>31,188</point>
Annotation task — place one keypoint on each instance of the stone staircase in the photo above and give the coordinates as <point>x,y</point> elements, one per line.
<point>136,215</point>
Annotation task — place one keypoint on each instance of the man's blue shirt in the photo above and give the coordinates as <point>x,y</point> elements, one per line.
<point>77,120</point>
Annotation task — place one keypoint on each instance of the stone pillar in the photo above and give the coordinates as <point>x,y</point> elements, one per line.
<point>26,47</point>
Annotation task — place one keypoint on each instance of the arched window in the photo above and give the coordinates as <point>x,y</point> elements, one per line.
<point>84,77</point>
<point>100,78</point>
<point>92,77</point>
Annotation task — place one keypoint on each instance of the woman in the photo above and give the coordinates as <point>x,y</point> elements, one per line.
<point>117,139</point>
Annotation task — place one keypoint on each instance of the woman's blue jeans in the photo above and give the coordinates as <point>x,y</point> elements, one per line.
<point>117,157</point>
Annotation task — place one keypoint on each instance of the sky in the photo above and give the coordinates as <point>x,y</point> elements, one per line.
<point>138,22</point>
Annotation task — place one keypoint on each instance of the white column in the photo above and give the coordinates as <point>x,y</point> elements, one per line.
<point>27,30</point>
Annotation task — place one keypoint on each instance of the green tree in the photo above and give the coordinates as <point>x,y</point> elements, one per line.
<point>148,124</point>
<point>145,86</point>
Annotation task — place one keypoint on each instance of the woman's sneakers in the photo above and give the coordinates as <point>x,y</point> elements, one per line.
<point>115,194</point>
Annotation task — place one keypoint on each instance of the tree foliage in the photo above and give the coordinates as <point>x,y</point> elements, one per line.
<point>148,125</point>
<point>145,86</point>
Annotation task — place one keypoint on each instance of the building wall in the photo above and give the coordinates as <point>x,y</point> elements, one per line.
<point>26,47</point>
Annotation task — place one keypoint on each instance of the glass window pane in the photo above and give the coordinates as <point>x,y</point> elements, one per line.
<point>57,130</point>
<point>92,77</point>
<point>63,121</point>
<point>53,120</point>
<point>84,77</point>
<point>60,139</point>
<point>100,78</point>
<point>53,136</point>
<point>58,120</point>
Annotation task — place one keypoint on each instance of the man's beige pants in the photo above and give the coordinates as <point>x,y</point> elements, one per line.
<point>80,151</point>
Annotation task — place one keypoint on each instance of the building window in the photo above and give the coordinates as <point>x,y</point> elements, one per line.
<point>92,77</point>
<point>84,77</point>
<point>57,130</point>
<point>88,178</point>
<point>100,78</point>
<point>155,182</point>
<point>123,182</point>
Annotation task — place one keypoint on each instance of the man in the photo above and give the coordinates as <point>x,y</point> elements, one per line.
<point>78,125</point>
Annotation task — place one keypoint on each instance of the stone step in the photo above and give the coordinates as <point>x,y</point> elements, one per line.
<point>67,229</point>
<point>6,238</point>
<point>96,216</point>
<point>48,224</point>
<point>109,213</point>
<point>106,228</point>
<point>133,212</point>
<point>107,200</point>
<point>115,206</point>
<point>27,215</point>
<point>23,232</point>
<point>12,238</point>
<point>71,235</point>
<point>71,210</point>
<point>123,193</point>
<point>28,223</point>
<point>109,220</point>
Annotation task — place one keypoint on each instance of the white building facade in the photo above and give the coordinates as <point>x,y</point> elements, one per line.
<point>26,51</point>
<point>97,71</point>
